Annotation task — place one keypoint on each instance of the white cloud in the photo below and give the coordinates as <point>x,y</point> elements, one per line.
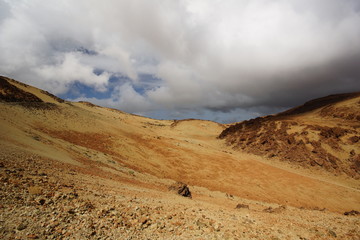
<point>208,53</point>
<point>69,69</point>
<point>125,98</point>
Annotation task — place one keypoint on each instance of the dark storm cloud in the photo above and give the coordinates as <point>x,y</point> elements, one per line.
<point>209,57</point>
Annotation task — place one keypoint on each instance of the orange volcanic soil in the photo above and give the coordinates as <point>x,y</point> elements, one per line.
<point>120,161</point>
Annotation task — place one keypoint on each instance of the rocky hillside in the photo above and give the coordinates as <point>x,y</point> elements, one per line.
<point>322,133</point>
<point>74,170</point>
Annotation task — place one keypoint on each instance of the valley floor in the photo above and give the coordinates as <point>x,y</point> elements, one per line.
<point>45,199</point>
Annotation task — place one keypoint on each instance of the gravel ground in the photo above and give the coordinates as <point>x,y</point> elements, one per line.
<point>41,199</point>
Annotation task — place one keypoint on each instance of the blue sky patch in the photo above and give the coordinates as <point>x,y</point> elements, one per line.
<point>78,89</point>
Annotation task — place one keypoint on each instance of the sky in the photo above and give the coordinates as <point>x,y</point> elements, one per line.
<point>221,60</point>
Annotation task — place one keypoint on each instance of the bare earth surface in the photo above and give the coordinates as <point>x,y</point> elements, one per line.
<point>79,171</point>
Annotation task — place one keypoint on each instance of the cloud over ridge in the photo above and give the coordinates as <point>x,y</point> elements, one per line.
<point>202,56</point>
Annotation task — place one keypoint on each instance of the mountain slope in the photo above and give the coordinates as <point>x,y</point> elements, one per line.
<point>123,164</point>
<point>323,133</point>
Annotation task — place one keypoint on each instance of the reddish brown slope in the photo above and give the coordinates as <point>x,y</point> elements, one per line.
<point>322,133</point>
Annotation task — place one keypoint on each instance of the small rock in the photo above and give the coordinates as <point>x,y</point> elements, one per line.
<point>143,220</point>
<point>275,210</point>
<point>352,152</point>
<point>181,189</point>
<point>32,236</point>
<point>229,195</point>
<point>332,233</point>
<point>22,226</point>
<point>201,224</point>
<point>242,206</point>
<point>71,211</point>
<point>319,209</point>
<point>217,227</point>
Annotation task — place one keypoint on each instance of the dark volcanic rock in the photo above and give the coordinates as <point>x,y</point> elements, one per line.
<point>242,206</point>
<point>352,213</point>
<point>181,189</point>
<point>275,210</point>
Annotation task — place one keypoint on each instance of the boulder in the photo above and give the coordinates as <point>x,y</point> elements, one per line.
<point>181,189</point>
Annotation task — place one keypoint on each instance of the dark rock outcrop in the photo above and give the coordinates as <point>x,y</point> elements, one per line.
<point>11,93</point>
<point>352,213</point>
